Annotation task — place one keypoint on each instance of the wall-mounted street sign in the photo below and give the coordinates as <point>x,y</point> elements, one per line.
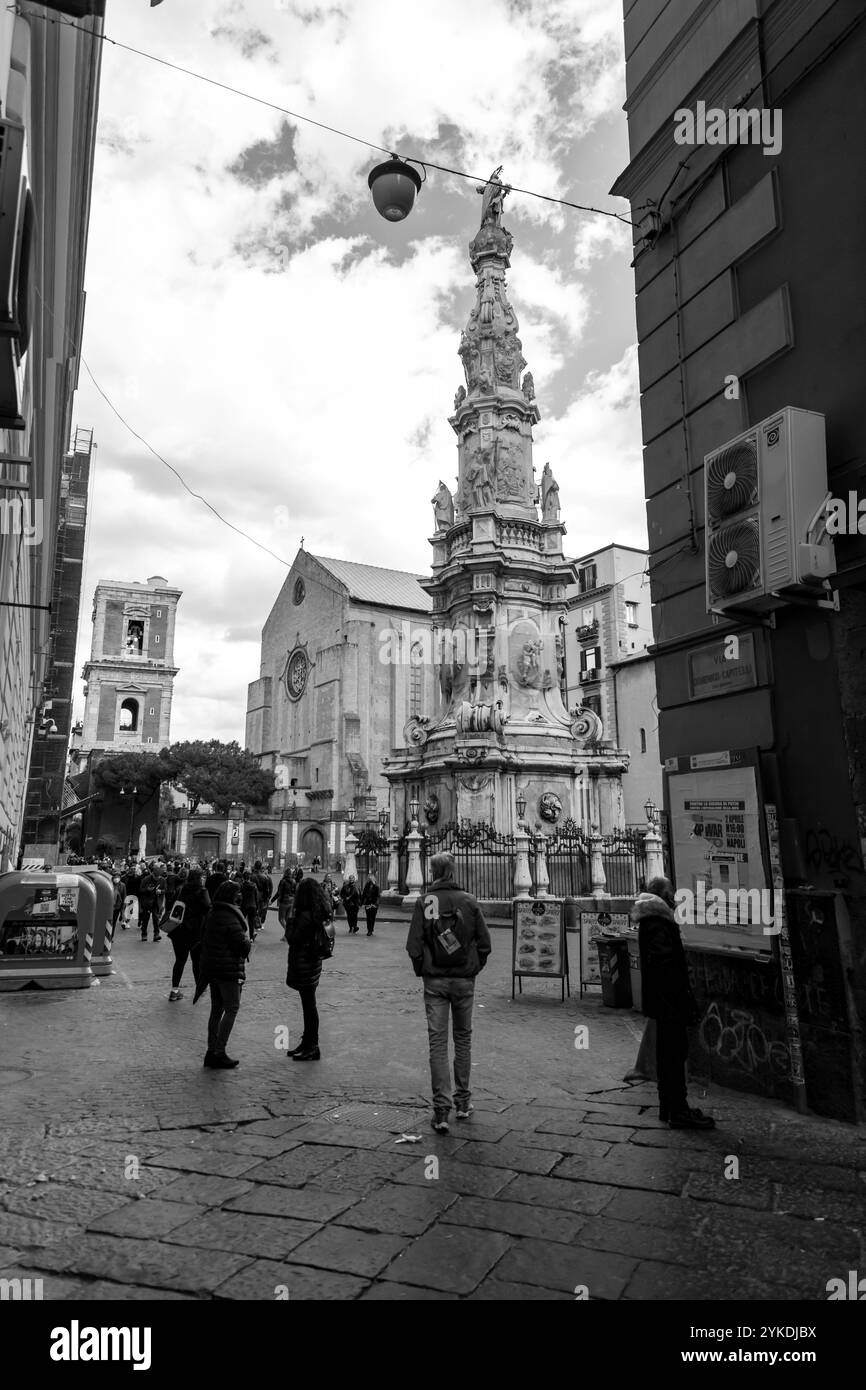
<point>540,948</point>
<point>713,672</point>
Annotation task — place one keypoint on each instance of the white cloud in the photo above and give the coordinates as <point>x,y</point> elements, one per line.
<point>305,391</point>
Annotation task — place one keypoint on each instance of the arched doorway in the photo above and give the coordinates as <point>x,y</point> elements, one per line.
<point>205,845</point>
<point>313,843</point>
<point>263,846</point>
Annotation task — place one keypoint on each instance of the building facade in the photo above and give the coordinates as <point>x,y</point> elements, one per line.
<point>342,672</point>
<point>49,84</point>
<point>751,305</point>
<point>609,619</point>
<point>129,678</point>
<point>50,747</point>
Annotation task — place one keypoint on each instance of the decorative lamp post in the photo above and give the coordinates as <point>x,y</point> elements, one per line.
<point>521,808</point>
<point>350,868</point>
<point>414,875</point>
<point>132,795</point>
<point>655,863</point>
<point>394,186</point>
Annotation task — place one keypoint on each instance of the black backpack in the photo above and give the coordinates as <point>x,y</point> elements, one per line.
<point>447,934</point>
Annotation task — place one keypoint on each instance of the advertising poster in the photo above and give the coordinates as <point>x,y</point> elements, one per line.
<point>539,946</point>
<point>592,926</point>
<point>715,817</point>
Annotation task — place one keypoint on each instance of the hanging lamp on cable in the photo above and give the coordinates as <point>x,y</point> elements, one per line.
<point>394,185</point>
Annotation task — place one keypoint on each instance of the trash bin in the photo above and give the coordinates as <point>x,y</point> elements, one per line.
<point>613,967</point>
<point>46,930</point>
<point>101,962</point>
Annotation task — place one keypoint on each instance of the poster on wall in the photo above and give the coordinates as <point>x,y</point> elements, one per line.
<point>715,820</point>
<point>539,944</point>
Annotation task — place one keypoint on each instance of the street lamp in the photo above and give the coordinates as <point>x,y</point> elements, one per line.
<point>651,811</point>
<point>384,818</point>
<point>350,814</point>
<point>133,794</point>
<point>521,807</point>
<point>394,185</point>
<point>413,810</point>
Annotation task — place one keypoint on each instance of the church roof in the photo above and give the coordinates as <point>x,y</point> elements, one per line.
<point>373,584</point>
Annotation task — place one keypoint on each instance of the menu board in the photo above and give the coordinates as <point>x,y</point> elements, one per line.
<point>592,926</point>
<point>539,946</point>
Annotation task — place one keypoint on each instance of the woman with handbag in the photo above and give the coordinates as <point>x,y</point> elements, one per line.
<point>309,944</point>
<point>189,909</point>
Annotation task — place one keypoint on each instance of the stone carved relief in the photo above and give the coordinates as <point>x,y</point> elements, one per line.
<point>529,663</point>
<point>550,807</point>
<point>586,724</point>
<point>415,730</point>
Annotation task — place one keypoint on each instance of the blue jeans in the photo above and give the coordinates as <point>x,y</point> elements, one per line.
<point>225,1001</point>
<point>442,993</point>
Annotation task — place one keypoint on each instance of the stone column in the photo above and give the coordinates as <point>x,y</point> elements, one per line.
<point>542,878</point>
<point>414,876</point>
<point>599,882</point>
<point>394,864</point>
<point>284,839</point>
<point>184,834</point>
<point>350,868</point>
<point>655,864</point>
<point>522,875</point>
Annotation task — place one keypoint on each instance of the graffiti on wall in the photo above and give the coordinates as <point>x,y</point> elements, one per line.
<point>736,1038</point>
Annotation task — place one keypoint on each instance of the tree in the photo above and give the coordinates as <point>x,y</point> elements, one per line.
<point>145,771</point>
<point>218,775</point>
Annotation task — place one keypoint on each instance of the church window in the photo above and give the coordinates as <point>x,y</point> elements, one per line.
<point>643,740</point>
<point>299,592</point>
<point>156,637</point>
<point>129,716</point>
<point>416,658</point>
<point>134,637</point>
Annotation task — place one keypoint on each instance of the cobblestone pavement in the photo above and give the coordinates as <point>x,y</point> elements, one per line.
<point>129,1171</point>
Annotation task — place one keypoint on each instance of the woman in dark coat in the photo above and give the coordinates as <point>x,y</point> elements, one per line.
<point>667,997</point>
<point>351,900</point>
<point>225,947</point>
<point>305,963</point>
<point>186,939</point>
<point>250,902</point>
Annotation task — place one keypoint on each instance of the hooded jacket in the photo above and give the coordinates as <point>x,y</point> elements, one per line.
<point>665,990</point>
<point>225,943</point>
<point>418,943</point>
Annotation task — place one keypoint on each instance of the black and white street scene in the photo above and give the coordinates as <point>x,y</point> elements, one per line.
<point>432,680</point>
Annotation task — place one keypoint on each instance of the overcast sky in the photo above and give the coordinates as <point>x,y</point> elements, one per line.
<point>293,355</point>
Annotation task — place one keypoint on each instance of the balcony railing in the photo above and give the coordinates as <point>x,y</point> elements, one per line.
<point>586,677</point>
<point>588,630</point>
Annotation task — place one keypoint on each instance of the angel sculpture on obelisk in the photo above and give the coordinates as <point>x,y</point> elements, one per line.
<point>492,197</point>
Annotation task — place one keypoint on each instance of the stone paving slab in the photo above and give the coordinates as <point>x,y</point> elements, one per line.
<point>559,1194</point>
<point>149,1218</point>
<point>191,1160</point>
<point>305,1203</point>
<point>296,1167</point>
<point>404,1293</point>
<point>746,1191</point>
<point>567,1267</point>
<point>399,1210</point>
<point>449,1258</point>
<point>268,1237</point>
<point>663,1283</point>
<point>209,1189</point>
<point>363,1171</point>
<point>468,1179</point>
<point>146,1262</point>
<point>499,1291</point>
<point>508,1155</point>
<point>62,1203</point>
<point>338,1248</point>
<point>563,1144</point>
<point>514,1218</point>
<point>262,1279</point>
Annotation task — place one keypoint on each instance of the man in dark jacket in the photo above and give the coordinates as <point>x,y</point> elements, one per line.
<point>225,947</point>
<point>215,879</point>
<point>370,902</point>
<point>667,997</point>
<point>448,944</point>
<point>147,890</point>
<point>265,885</point>
<point>351,900</point>
<point>284,896</point>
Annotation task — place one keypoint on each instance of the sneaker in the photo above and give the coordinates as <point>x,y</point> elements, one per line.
<point>464,1111</point>
<point>440,1122</point>
<point>175,994</point>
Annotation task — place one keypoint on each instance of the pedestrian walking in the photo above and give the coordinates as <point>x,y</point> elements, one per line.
<point>332,897</point>
<point>225,948</point>
<point>215,878</point>
<point>350,897</point>
<point>666,996</point>
<point>250,903</point>
<point>284,897</point>
<point>186,937</point>
<point>147,904</point>
<point>304,970</point>
<point>448,945</point>
<point>265,885</point>
<point>119,899</point>
<point>370,902</point>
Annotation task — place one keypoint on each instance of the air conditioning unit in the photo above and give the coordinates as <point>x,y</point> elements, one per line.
<point>17,227</point>
<point>763,495</point>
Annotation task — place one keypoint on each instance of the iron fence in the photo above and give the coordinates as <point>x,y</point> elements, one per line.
<point>568,862</point>
<point>623,854</point>
<point>484,858</point>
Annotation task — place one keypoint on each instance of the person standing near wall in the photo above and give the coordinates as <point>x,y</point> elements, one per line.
<point>370,902</point>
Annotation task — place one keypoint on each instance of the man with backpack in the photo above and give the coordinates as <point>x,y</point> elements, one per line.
<point>448,945</point>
